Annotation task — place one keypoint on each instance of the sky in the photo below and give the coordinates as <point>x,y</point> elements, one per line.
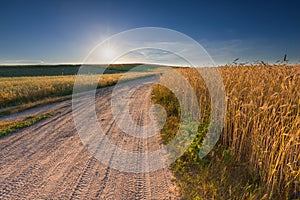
<point>34,32</point>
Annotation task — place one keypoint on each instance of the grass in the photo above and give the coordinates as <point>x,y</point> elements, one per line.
<point>13,126</point>
<point>257,156</point>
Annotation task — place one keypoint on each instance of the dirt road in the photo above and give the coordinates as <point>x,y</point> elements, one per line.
<point>49,161</point>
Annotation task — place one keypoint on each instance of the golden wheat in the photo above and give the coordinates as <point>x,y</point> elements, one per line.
<point>20,90</point>
<point>262,123</point>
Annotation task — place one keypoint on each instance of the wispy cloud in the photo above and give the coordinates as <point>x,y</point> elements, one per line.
<point>21,62</point>
<point>226,51</point>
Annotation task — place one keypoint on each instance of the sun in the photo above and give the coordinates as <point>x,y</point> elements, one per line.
<point>109,53</point>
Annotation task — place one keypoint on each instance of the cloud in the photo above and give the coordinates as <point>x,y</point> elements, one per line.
<point>225,51</point>
<point>22,62</point>
<point>169,53</point>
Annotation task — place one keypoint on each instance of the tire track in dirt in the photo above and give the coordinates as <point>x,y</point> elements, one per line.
<point>49,161</point>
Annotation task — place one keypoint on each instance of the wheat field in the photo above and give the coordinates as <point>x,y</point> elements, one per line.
<point>16,91</point>
<point>261,134</point>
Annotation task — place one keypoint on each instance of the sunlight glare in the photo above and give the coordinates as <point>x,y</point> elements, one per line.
<point>109,53</point>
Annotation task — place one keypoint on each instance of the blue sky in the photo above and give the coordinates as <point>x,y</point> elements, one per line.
<point>65,31</point>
